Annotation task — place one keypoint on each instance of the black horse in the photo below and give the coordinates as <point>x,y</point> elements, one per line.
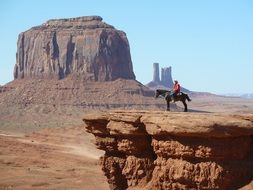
<point>179,97</point>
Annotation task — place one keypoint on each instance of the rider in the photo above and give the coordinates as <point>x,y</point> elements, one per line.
<point>176,90</point>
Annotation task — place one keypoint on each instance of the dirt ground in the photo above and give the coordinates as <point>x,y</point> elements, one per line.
<point>59,158</point>
<point>45,149</point>
<point>219,104</point>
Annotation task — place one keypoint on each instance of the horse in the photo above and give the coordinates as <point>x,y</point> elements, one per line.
<point>179,97</point>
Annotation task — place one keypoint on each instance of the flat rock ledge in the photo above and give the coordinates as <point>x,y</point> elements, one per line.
<point>171,150</point>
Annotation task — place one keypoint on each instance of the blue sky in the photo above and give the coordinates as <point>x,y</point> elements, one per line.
<point>208,43</point>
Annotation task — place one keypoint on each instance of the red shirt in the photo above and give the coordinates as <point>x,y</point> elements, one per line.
<point>176,88</point>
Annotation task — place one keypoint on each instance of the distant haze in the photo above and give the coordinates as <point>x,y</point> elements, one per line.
<point>209,44</point>
<point>247,96</point>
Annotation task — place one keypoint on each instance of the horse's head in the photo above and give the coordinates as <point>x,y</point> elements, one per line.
<point>161,92</point>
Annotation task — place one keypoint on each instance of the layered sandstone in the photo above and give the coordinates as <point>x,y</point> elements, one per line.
<point>83,47</point>
<point>160,150</point>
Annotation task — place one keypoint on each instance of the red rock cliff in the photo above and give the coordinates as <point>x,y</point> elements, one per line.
<point>160,150</point>
<point>84,47</point>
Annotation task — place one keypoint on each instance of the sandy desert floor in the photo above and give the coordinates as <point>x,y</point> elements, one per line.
<point>220,104</point>
<point>59,158</point>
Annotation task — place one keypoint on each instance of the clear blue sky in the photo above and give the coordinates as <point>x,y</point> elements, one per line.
<point>208,43</point>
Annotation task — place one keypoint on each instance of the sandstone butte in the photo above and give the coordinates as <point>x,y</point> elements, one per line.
<point>84,47</point>
<point>186,151</point>
<point>90,57</point>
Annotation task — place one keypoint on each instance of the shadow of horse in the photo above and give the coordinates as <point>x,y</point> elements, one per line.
<point>180,97</point>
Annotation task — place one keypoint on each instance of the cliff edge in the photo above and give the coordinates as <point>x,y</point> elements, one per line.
<point>161,150</point>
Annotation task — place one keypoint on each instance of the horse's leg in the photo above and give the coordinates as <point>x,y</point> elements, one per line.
<point>168,105</point>
<point>185,106</point>
<point>167,98</point>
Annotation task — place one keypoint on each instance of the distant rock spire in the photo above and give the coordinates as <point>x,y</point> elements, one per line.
<point>156,76</point>
<point>166,78</point>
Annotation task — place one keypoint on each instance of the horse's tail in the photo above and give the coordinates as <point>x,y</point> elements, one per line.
<point>187,97</point>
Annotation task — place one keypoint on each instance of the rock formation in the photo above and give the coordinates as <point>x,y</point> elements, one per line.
<point>166,78</point>
<point>159,150</point>
<point>83,47</point>
<point>77,95</point>
<point>156,76</point>
<point>84,52</point>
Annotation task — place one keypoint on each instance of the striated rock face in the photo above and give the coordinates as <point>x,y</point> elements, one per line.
<point>160,150</point>
<point>83,47</point>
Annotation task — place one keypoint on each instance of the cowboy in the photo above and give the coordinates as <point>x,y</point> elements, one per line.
<point>176,90</point>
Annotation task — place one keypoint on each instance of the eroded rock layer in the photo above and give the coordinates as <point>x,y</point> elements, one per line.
<point>160,150</point>
<point>83,47</point>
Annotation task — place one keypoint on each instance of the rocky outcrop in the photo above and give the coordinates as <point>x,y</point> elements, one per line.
<point>161,150</point>
<point>83,47</point>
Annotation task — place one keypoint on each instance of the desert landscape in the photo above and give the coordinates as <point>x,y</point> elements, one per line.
<point>73,80</point>
<point>40,151</point>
